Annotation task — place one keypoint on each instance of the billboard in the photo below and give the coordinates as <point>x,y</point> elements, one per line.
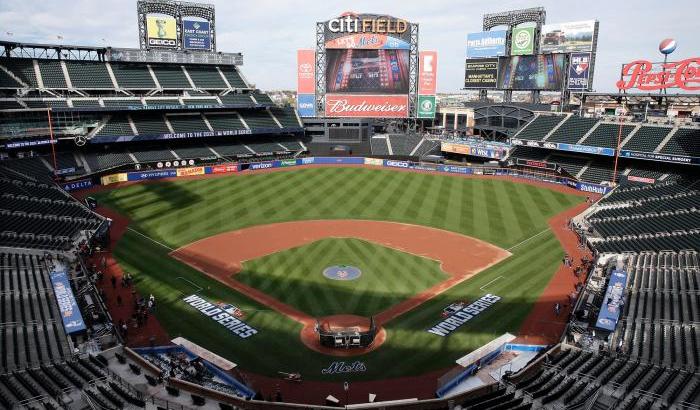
<point>306,70</point>
<point>306,105</point>
<point>579,71</point>
<point>486,44</point>
<point>647,76</point>
<point>426,106</point>
<point>161,31</point>
<point>535,72</point>
<point>613,302</point>
<point>196,35</point>
<point>367,71</point>
<point>368,41</point>
<point>481,73</point>
<point>522,41</point>
<point>70,313</point>
<point>567,37</point>
<point>367,106</point>
<point>427,72</point>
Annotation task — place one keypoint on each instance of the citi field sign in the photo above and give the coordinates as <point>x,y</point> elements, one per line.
<point>351,23</point>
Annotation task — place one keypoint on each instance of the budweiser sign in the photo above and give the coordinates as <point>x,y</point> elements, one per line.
<point>366,106</point>
<point>647,76</point>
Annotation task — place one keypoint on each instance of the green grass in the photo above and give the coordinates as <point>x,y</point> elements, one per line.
<point>500,212</point>
<point>388,277</point>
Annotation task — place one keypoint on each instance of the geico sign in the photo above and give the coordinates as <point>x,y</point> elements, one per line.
<point>161,42</point>
<point>381,25</point>
<point>397,164</point>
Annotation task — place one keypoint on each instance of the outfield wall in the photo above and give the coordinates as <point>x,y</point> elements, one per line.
<point>387,163</point>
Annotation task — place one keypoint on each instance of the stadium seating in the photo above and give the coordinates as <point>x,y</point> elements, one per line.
<point>52,74</point>
<point>171,77</point>
<point>606,135</point>
<point>259,119</point>
<point>539,127</point>
<point>686,141</point>
<point>187,122</point>
<point>23,69</point>
<point>133,76</point>
<point>206,77</point>
<point>33,331</point>
<point>233,77</point>
<point>150,124</point>
<point>116,125</point>
<point>404,144</point>
<point>529,153</point>
<point>237,99</point>
<point>224,121</point>
<point>599,171</point>
<point>571,164</point>
<point>647,138</point>
<point>572,130</point>
<point>89,75</point>
<point>286,116</point>
<point>379,146</point>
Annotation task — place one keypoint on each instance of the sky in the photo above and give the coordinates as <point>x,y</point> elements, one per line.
<point>268,32</point>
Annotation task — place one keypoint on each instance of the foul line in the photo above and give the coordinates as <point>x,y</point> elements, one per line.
<point>150,239</point>
<point>482,288</point>
<point>532,237</point>
<point>199,288</point>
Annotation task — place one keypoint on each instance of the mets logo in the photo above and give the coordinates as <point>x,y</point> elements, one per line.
<point>342,272</point>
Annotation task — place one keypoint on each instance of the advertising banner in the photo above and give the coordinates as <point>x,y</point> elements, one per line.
<point>612,302</point>
<point>306,105</point>
<point>161,31</point>
<point>486,44</point>
<point>426,106</point>
<point>220,314</point>
<point>579,68</point>
<point>586,149</point>
<point>113,179</point>
<point>652,156</point>
<point>466,149</point>
<point>522,41</point>
<point>481,73</point>
<point>647,76</point>
<point>593,188</point>
<point>367,106</point>
<point>396,164</point>
<point>288,163</point>
<point>337,160</point>
<point>306,71</point>
<point>186,172</point>
<point>368,41</point>
<point>374,161</point>
<point>76,185</point>
<point>567,37</point>
<point>196,35</point>
<point>70,313</point>
<point>535,164</point>
<point>455,169</point>
<point>139,176</point>
<point>447,326</point>
<point>222,169</point>
<point>367,71</point>
<point>427,74</point>
<point>536,72</point>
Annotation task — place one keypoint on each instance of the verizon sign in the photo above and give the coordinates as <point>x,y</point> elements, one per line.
<point>367,106</point>
<point>647,76</point>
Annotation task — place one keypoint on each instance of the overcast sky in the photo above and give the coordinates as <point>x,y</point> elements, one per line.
<point>268,32</point>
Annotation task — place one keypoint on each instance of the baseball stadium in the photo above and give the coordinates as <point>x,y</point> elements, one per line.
<point>173,237</point>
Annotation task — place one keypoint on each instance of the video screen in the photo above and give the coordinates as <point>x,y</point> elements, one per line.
<point>536,72</point>
<point>367,71</point>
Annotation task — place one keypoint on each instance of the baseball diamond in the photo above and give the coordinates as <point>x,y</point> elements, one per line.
<point>267,236</point>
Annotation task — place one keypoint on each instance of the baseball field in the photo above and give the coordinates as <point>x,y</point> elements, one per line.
<point>242,240</point>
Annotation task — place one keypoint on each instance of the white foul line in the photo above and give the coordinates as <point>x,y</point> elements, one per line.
<point>482,288</point>
<point>150,239</point>
<point>533,236</point>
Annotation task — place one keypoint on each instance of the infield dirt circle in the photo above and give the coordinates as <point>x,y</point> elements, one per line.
<point>222,256</point>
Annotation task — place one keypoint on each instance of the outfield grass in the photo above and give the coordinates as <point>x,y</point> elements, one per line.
<point>388,277</point>
<point>500,212</point>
